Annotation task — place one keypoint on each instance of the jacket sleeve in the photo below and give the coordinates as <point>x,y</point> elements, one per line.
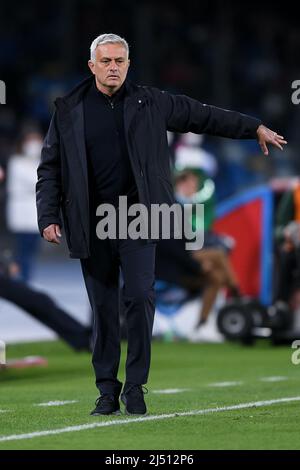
<point>48,187</point>
<point>185,114</point>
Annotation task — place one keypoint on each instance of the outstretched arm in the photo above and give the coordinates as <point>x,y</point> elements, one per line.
<point>184,114</point>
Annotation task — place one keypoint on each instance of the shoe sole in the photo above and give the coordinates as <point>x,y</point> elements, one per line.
<point>135,414</point>
<point>115,413</point>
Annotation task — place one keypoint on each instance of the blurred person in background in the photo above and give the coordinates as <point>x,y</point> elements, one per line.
<point>41,306</point>
<point>107,138</point>
<point>204,271</point>
<point>21,205</point>
<point>38,304</point>
<point>194,186</point>
<point>287,237</point>
<point>189,153</point>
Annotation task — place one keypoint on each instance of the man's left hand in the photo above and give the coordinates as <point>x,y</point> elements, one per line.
<point>266,136</point>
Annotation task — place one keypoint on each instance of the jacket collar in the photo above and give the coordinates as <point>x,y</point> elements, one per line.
<point>76,94</point>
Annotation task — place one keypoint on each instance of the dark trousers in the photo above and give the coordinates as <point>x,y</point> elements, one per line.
<point>136,259</point>
<point>41,307</point>
<point>27,245</point>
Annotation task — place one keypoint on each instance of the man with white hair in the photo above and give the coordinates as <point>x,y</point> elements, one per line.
<point>107,138</point>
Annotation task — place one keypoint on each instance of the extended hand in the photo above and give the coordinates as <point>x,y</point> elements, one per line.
<point>52,233</point>
<point>266,136</point>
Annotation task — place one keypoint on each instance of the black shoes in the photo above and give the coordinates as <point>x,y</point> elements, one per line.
<point>133,399</point>
<point>107,404</point>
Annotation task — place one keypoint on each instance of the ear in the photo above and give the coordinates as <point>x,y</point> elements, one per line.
<point>91,66</point>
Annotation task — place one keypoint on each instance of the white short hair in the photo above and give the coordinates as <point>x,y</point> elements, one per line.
<point>107,38</point>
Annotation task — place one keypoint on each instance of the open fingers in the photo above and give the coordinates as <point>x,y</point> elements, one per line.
<point>264,147</point>
<point>281,140</point>
<point>269,137</point>
<point>277,144</point>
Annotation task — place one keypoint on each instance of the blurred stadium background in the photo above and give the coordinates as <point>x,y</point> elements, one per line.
<point>236,55</point>
<point>241,57</point>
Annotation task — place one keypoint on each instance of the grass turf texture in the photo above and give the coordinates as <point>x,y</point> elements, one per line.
<point>69,376</point>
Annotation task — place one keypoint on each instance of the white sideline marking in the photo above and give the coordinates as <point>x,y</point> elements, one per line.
<point>273,379</point>
<point>225,384</point>
<point>56,403</point>
<point>103,424</point>
<point>4,411</point>
<point>171,390</point>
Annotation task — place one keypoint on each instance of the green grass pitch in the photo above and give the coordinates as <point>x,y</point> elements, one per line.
<point>195,368</point>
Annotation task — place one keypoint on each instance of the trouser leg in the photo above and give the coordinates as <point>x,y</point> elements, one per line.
<point>138,264</point>
<point>219,262</point>
<point>26,249</point>
<point>43,308</point>
<point>101,275</point>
